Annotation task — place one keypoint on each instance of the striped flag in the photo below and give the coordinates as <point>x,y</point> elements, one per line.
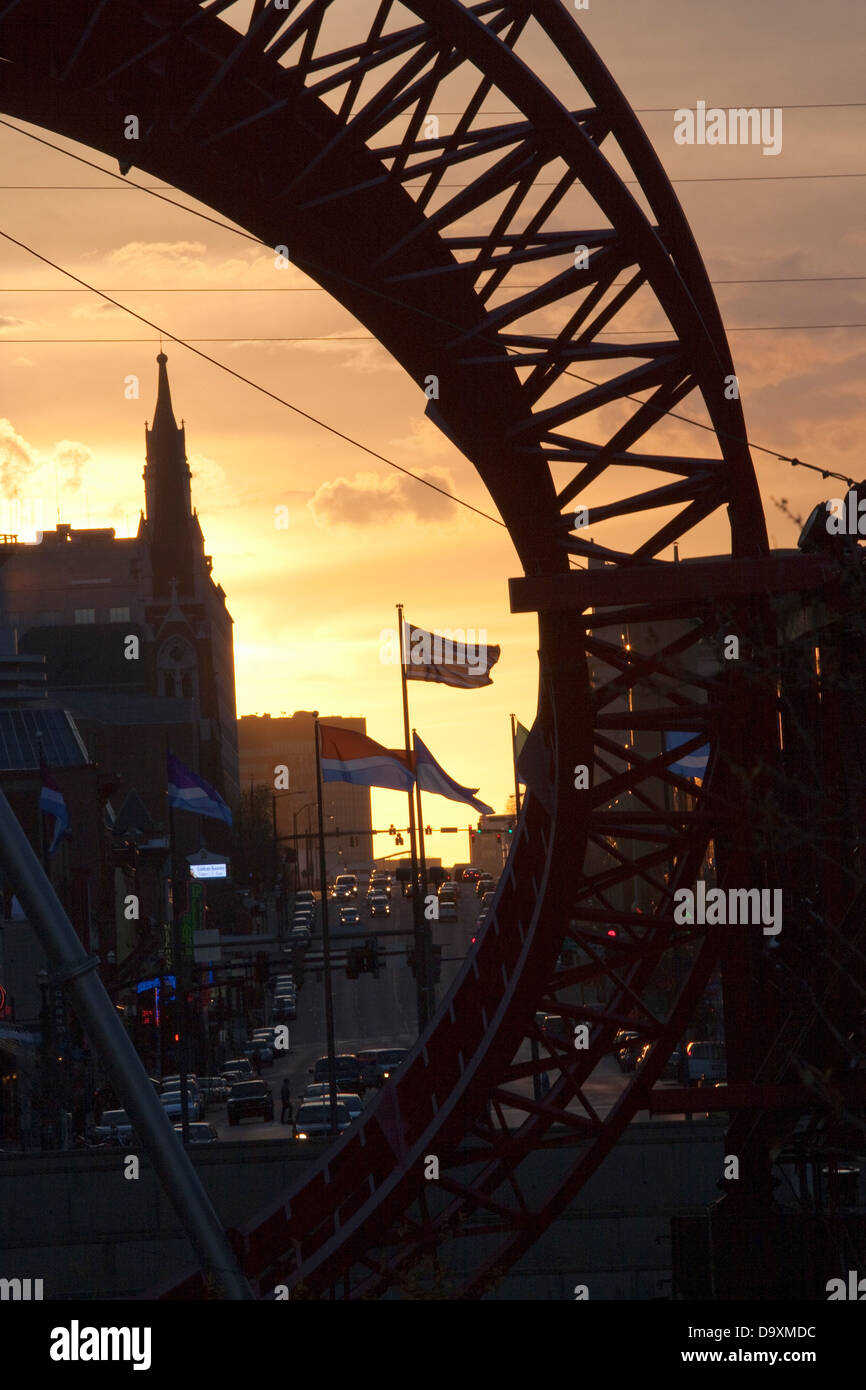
<point>189,792</point>
<point>447,659</point>
<point>433,778</point>
<point>51,803</point>
<point>349,756</point>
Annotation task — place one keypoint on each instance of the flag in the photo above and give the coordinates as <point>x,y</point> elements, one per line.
<point>348,756</point>
<point>693,764</point>
<point>432,656</point>
<point>535,768</point>
<point>433,778</point>
<point>189,792</point>
<point>52,804</point>
<point>521,734</point>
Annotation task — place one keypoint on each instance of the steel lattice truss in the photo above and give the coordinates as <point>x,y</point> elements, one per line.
<point>501,255</point>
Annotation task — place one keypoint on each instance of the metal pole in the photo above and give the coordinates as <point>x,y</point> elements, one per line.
<point>326,939</point>
<point>417,911</point>
<point>425,960</point>
<point>77,973</point>
<point>179,976</point>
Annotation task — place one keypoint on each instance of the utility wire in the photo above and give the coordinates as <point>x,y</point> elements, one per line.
<point>164,332</point>
<point>249,236</point>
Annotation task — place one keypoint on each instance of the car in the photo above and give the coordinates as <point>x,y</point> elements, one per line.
<point>487,900</point>
<point>285,985</point>
<point>257,1047</point>
<point>379,1063</point>
<point>351,1099</point>
<point>448,889</point>
<point>381,883</point>
<point>301,936</point>
<point>172,1083</point>
<point>249,1098</point>
<point>285,1008</point>
<point>672,1065</point>
<point>347,1068</point>
<point>114,1124</point>
<point>199,1133</point>
<point>379,906</point>
<point>628,1050</point>
<point>348,917</point>
<point>346,882</point>
<point>313,1120</point>
<point>703,1061</point>
<point>483,884</point>
<point>214,1089</point>
<point>305,896</point>
<point>238,1069</point>
<point>480,920</point>
<point>448,910</point>
<point>173,1107</point>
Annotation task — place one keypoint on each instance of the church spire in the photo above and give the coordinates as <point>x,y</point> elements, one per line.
<point>168,505</point>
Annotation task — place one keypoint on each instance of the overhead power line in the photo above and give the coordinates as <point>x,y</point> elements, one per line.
<point>249,236</point>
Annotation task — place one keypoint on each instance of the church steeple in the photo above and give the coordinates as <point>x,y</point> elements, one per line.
<point>168,505</point>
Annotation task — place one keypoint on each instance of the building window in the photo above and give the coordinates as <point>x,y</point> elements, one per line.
<point>118,615</point>
<point>85,615</point>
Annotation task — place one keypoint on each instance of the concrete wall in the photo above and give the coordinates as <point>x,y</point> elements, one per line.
<point>74,1221</point>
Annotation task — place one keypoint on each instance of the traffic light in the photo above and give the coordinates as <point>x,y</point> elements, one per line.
<point>427,830</point>
<point>399,840</point>
<point>498,835</point>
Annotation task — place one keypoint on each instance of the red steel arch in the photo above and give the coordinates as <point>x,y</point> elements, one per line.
<point>501,256</point>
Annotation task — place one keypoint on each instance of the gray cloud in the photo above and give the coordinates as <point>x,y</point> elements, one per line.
<point>370,499</point>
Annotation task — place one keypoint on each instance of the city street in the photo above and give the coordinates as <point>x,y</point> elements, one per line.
<point>370,1013</point>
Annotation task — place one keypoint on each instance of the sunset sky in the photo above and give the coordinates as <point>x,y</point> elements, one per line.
<point>309,602</point>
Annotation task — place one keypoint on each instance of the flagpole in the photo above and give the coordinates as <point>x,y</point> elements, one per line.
<point>179,972</point>
<point>326,935</point>
<point>425,971</point>
<point>514,761</point>
<point>417,920</point>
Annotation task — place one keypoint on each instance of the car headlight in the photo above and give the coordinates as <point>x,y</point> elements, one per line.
<point>302,1136</point>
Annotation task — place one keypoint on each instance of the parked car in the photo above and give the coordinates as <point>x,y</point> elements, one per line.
<point>114,1124</point>
<point>249,1098</point>
<point>172,1083</point>
<point>214,1089</point>
<point>313,1119</point>
<point>257,1047</point>
<point>199,1133</point>
<point>171,1104</point>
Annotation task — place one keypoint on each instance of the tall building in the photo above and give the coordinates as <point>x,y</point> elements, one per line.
<point>267,744</point>
<point>136,635</point>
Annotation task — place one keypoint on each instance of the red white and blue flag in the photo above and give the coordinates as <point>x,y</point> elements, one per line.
<point>349,756</point>
<point>51,803</point>
<point>189,792</point>
<point>433,778</point>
